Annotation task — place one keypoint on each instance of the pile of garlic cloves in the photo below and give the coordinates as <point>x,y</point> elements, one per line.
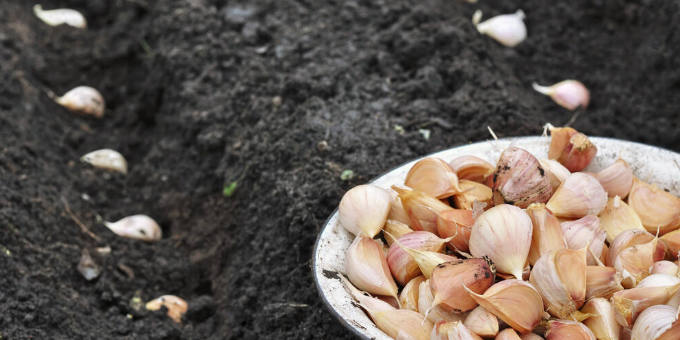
<point>524,249</point>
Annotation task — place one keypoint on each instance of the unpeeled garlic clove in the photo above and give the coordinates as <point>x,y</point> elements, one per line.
<point>569,94</point>
<point>672,243</point>
<point>471,168</point>
<point>508,334</point>
<point>394,229</point>
<point>448,279</point>
<point>530,336</point>
<point>602,320</point>
<point>503,233</point>
<point>457,224</point>
<point>515,302</point>
<point>520,179</point>
<point>664,267</point>
<point>59,16</point>
<point>402,266</point>
<point>632,253</point>
<point>363,209</point>
<point>428,260</point>
<point>472,192</point>
<point>658,322</point>
<point>408,298</point>
<point>616,179</point>
<point>106,159</point>
<point>571,148</point>
<point>138,227</point>
<point>567,329</point>
<point>482,322</point>
<point>655,207</point>
<point>433,312</point>
<point>434,177</point>
<point>653,290</point>
<point>585,232</point>
<point>602,282</point>
<point>422,209</point>
<point>366,267</point>
<point>578,196</point>
<point>507,29</point>
<point>397,212</point>
<point>84,100</point>
<point>555,171</point>
<point>547,233</point>
<point>176,306</point>
<point>452,330</point>
<point>560,278</point>
<point>618,217</point>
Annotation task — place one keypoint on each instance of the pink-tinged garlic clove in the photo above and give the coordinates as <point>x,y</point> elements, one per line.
<point>602,319</point>
<point>555,171</point>
<point>658,322</point>
<point>569,94</point>
<point>602,282</point>
<point>402,266</point>
<point>397,211</point>
<point>578,196</point>
<point>508,334</point>
<point>472,168</point>
<point>585,232</point>
<point>530,336</point>
<point>433,312</point>
<point>84,100</point>
<point>473,193</point>
<point>616,179</point>
<point>422,209</point>
<point>363,209</point>
<point>664,267</point>
<point>433,177</point>
<point>137,227</point>
<point>394,229</point>
<point>457,224</point>
<point>520,179</point>
<point>176,306</point>
<point>481,322</point>
<point>632,253</point>
<point>547,233</point>
<point>656,208</point>
<point>618,217</point>
<point>672,243</point>
<point>366,267</point>
<point>571,148</point>
<point>507,29</point>
<point>568,329</point>
<point>560,278</point>
<point>448,279</point>
<point>656,289</point>
<point>408,297</point>
<point>452,330</point>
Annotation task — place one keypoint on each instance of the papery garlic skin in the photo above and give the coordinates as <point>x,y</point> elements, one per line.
<point>433,177</point>
<point>176,306</point>
<point>452,330</point>
<point>567,329</point>
<point>520,179</point>
<point>658,322</point>
<point>616,179</point>
<point>363,209</point>
<point>602,321</point>
<point>560,277</point>
<point>578,196</point>
<point>482,322</point>
<point>138,227</point>
<point>408,297</point>
<point>56,17</point>
<point>106,159</point>
<point>471,192</point>
<point>585,232</point>
<point>503,233</point>
<point>471,168</point>
<point>448,279</point>
<point>367,268</point>
<point>507,29</point>
<point>617,217</point>
<point>655,207</point>
<point>84,100</point>
<point>547,232</point>
<point>555,171</point>
<point>570,94</point>
<point>602,282</point>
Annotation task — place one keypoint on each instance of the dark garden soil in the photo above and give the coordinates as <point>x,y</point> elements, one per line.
<point>281,97</point>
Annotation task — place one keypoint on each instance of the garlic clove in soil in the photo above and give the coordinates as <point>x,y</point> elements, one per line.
<point>655,207</point>
<point>654,290</point>
<point>56,17</point>
<point>508,334</point>
<point>471,168</point>
<point>448,279</point>
<point>555,171</point>
<point>176,306</point>
<point>363,209</point>
<point>618,217</point>
<point>616,179</point>
<point>482,322</point>
<point>138,227</point>
<point>106,159</point>
<point>84,100</point>
<point>569,94</point>
<point>658,322</point>
<point>366,267</point>
<point>457,224</point>
<point>433,312</point>
<point>472,192</point>
<point>87,267</point>
<point>602,320</point>
<point>585,232</point>
<point>507,29</point>
<point>547,233</point>
<point>433,177</point>
<point>571,148</point>
<point>520,179</point>
<point>602,282</point>
<point>394,229</point>
<point>408,298</point>
<point>560,278</point>
<point>422,209</point>
<point>402,266</point>
<point>452,330</point>
<point>664,267</point>
<point>578,196</point>
<point>567,329</point>
<point>503,233</point>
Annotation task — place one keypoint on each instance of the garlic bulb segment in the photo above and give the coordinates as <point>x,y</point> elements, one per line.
<point>507,29</point>
<point>503,233</point>
<point>560,277</point>
<point>367,302</point>
<point>428,260</point>
<point>567,329</point>
<point>433,177</point>
<point>530,336</point>
<point>556,172</point>
<point>547,233</point>
<point>632,253</point>
<point>664,267</point>
<point>84,100</point>
<point>472,192</point>
<point>452,330</point>
<point>138,227</point>
<point>448,279</point>
<point>627,239</point>
<point>408,298</point>
<point>106,159</point>
<point>585,232</point>
<point>578,196</point>
<point>397,212</point>
<point>569,94</point>
<point>56,17</point>
<point>602,282</point>
<point>396,229</point>
<point>658,322</point>
<point>176,306</point>
<point>471,168</point>
<point>618,217</point>
<point>457,224</point>
<point>629,303</point>
<point>508,334</point>
<point>571,148</point>
<point>602,320</point>
<point>366,267</point>
<point>515,302</point>
<point>363,209</point>
<point>422,209</point>
<point>481,322</point>
<point>433,312</point>
<point>616,179</point>
<point>655,207</point>
<point>672,243</point>
<point>402,266</point>
<point>520,179</point>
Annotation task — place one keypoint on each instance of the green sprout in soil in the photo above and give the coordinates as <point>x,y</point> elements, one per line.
<point>229,189</point>
<point>346,175</point>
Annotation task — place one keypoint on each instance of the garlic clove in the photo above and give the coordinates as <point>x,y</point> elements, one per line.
<point>560,278</point>
<point>569,94</point>
<point>176,306</point>
<point>629,303</point>
<point>616,179</point>
<point>571,148</point>
<point>56,17</point>
<point>655,207</point>
<point>547,233</point>
<point>395,229</point>
<point>664,267</point>
<point>578,196</point>
<point>585,232</point>
<point>397,212</point>
<point>448,279</point>
<point>515,302</point>
<point>422,209</point>
<point>507,29</point>
<point>481,322</point>
<point>402,266</point>
<point>428,260</point>
<point>434,177</point>
<point>671,241</point>
<point>627,239</point>
<point>508,334</point>
<point>602,321</point>
<point>433,312</point>
<point>520,179</point>
<point>618,217</point>
<point>472,192</point>
<point>408,298</point>
<point>658,322</point>
<point>363,209</point>
<point>555,171</point>
<point>106,159</point>
<point>602,282</point>
<point>634,259</point>
<point>567,329</point>
<point>530,336</point>
<point>84,100</point>
<point>452,330</point>
<point>138,227</point>
<point>457,224</point>
<point>503,233</point>
<point>471,168</point>
<point>366,267</point>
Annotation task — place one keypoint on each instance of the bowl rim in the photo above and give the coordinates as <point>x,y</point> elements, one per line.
<point>326,224</point>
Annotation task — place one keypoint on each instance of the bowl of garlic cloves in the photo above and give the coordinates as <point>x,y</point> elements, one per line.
<point>563,236</point>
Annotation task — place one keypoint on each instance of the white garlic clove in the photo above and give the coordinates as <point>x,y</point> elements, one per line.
<point>507,29</point>
<point>394,229</point>
<point>567,329</point>
<point>618,217</point>
<point>138,227</point>
<point>452,330</point>
<point>629,303</point>
<point>106,159</point>
<point>520,179</point>
<point>556,172</point>
<point>585,232</point>
<point>397,212</point>
<point>672,243</point>
<point>433,177</point>
<point>602,320</point>
<point>84,100</point>
<point>632,253</point>
<point>570,94</point>
<point>367,268</point>
<point>616,179</point>
<point>530,336</point>
<point>507,334</point>
<point>578,196</point>
<point>482,322</point>
<point>56,17</point>
<point>664,267</point>
<point>176,306</point>
<point>602,282</point>
<point>657,323</point>
<point>560,277</point>
<point>547,233</point>
<point>363,209</point>
<point>408,297</point>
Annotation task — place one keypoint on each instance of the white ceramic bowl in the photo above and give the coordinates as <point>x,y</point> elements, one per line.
<point>649,163</point>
